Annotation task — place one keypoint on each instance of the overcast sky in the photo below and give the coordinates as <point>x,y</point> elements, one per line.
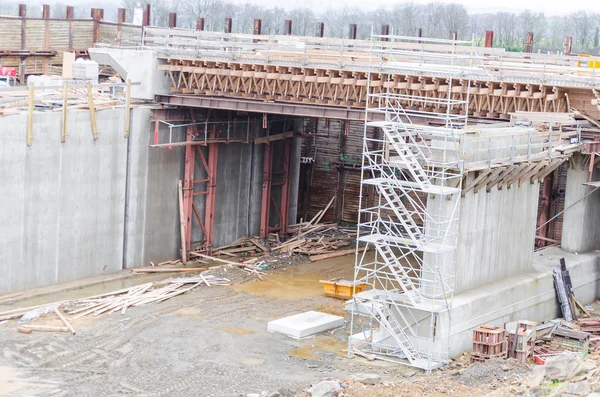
<point>548,7</point>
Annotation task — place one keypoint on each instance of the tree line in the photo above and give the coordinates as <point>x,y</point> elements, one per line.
<point>434,19</point>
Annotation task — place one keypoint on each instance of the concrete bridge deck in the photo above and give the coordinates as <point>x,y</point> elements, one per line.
<point>306,71</point>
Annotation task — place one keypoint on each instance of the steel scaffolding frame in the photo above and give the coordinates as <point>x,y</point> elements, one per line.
<point>408,216</point>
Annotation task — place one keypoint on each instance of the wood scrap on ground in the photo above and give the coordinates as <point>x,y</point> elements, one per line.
<point>110,302</point>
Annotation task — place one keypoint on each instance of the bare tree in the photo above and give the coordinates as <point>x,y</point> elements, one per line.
<point>582,27</point>
<point>455,17</point>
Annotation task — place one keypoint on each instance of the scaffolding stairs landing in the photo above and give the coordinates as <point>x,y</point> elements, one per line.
<point>413,232</point>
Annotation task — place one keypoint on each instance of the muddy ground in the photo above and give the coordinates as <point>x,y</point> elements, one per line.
<point>209,342</point>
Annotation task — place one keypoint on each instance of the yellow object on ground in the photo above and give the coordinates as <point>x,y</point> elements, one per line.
<point>341,289</point>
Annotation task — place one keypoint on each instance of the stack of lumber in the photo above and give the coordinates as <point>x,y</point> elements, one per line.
<point>246,246</point>
<point>321,241</point>
<point>111,302</point>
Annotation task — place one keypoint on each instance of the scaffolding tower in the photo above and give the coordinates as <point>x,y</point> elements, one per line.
<point>409,205</point>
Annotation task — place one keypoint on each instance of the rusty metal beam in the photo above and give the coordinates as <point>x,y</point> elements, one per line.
<point>285,187</point>
<point>290,109</point>
<point>320,29</point>
<point>265,206</point>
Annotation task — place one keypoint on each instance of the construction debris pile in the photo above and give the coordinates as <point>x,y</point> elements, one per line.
<point>110,302</point>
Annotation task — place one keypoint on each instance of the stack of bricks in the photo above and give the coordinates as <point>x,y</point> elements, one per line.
<point>521,342</point>
<point>489,342</point>
<point>568,339</point>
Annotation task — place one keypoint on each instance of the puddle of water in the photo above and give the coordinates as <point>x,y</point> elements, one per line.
<point>252,361</point>
<point>284,286</point>
<point>320,347</point>
<point>237,331</point>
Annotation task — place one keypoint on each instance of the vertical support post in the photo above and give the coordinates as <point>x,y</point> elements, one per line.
<point>285,187</point>
<point>257,28</point>
<point>97,14</point>
<point>128,109</point>
<point>146,16</point>
<point>188,187</point>
<point>545,209</point>
<point>121,17</point>
<point>453,35</point>
<point>23,15</point>
<point>70,16</point>
<point>287,27</point>
<point>92,111</point>
<point>63,135</point>
<point>352,31</point>
<point>30,104</point>
<point>209,213</point>
<point>181,223</point>
<point>46,17</point>
<point>200,25</point>
<point>529,42</point>
<point>172,20</point>
<point>568,46</point>
<point>320,29</point>
<point>489,38</point>
<point>228,25</point>
<point>385,31</point>
<point>419,34</point>
<point>266,190</point>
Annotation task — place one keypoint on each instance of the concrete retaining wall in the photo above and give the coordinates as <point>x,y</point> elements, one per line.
<point>85,208</point>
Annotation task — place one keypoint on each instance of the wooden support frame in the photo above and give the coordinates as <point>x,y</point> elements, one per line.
<point>63,135</point>
<point>128,109</point>
<point>92,112</point>
<point>532,172</point>
<point>30,106</point>
<point>495,172</point>
<point>501,176</point>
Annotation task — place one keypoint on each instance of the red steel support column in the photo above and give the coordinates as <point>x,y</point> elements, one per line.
<point>453,35</point>
<point>228,25</point>
<point>287,27</point>
<point>568,45</point>
<point>121,17</point>
<point>257,28</point>
<point>46,16</point>
<point>285,187</point>
<point>23,15</point>
<point>529,42</point>
<point>70,17</point>
<point>200,24</point>
<point>352,31</point>
<point>97,14</point>
<point>385,31</point>
<point>146,16</point>
<point>489,38</point>
<point>320,29</point>
<point>188,186</point>
<point>172,20</point>
<point>209,212</point>
<point>266,190</point>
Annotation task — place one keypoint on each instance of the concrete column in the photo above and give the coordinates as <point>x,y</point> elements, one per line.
<point>581,219</point>
<point>496,234</point>
<point>295,172</point>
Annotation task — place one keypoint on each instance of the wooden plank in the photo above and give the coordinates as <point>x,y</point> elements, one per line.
<point>44,328</point>
<point>92,112</point>
<point>182,223</point>
<point>168,270</point>
<point>483,175</point>
<point>64,320</point>
<point>276,137</point>
<point>258,244</point>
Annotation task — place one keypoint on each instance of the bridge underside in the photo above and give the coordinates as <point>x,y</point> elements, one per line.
<point>279,85</point>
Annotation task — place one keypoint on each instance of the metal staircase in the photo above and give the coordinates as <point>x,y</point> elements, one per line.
<point>409,204</point>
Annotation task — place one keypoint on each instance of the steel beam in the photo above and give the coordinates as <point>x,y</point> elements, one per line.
<point>285,187</point>
<point>266,190</point>
<point>188,186</point>
<point>209,210</point>
<point>290,109</point>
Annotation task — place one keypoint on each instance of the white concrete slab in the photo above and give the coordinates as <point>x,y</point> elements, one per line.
<point>305,324</point>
